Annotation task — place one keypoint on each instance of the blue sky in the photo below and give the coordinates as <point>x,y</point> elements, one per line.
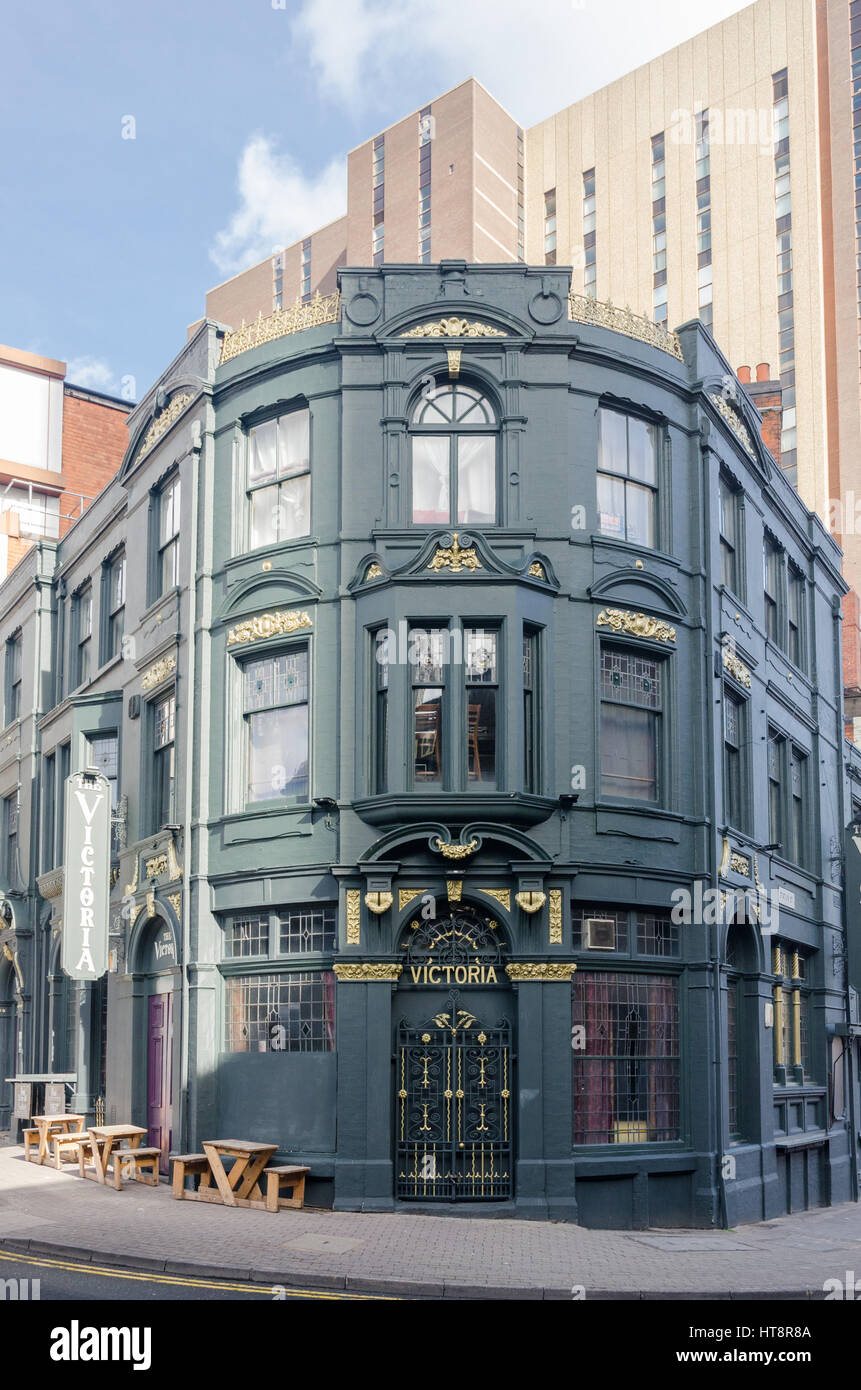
<point>243,113</point>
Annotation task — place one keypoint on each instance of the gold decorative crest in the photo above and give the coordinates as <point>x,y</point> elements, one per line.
<point>739,864</point>
<point>175,900</point>
<point>582,309</point>
<point>163,421</point>
<point>455,559</point>
<point>374,571</point>
<point>536,569</point>
<point>530,902</point>
<point>354,916</point>
<point>155,866</point>
<point>735,667</point>
<point>267,625</point>
<point>451,851</point>
<point>454,355</point>
<point>555,916</point>
<point>367,970</point>
<point>159,672</point>
<point>540,970</point>
<point>637,624</point>
<point>378,902</point>
<point>454,889</point>
<point>406,895</point>
<point>502,896</point>
<point>320,309</point>
<point>454,327</point>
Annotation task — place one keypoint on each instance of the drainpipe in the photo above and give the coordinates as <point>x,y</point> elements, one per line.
<point>189,800</point>
<point>837,616</point>
<point>713,866</point>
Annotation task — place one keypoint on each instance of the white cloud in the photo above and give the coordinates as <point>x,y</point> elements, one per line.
<point>92,373</point>
<point>278,204</point>
<point>534,58</point>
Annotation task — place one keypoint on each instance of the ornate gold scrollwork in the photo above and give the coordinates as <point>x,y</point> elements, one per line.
<point>454,327</point>
<point>502,896</point>
<point>454,889</point>
<point>163,421</point>
<point>155,866</point>
<point>637,624</point>
<point>406,895</point>
<point>540,970</point>
<point>354,916</point>
<point>555,917</point>
<point>267,625</point>
<point>454,558</point>
<point>321,309</point>
<point>536,569</point>
<point>374,571</point>
<point>158,672</point>
<point>452,851</point>
<point>369,970</point>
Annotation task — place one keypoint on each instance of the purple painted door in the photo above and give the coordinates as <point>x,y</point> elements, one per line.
<point>159,1049</point>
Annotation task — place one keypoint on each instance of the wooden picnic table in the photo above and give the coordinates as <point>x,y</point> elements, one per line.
<point>49,1125</point>
<point>102,1139</point>
<point>240,1187</point>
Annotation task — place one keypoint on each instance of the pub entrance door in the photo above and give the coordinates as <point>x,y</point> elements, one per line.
<point>454,1064</point>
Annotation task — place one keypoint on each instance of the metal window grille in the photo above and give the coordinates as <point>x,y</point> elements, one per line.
<point>626,1081</point>
<point>248,936</point>
<point>620,918</point>
<point>280,1013</point>
<point>305,929</point>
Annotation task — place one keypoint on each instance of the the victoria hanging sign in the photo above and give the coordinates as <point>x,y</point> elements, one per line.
<point>86,889</point>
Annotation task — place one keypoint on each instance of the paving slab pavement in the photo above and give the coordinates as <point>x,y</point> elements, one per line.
<point>436,1256</point>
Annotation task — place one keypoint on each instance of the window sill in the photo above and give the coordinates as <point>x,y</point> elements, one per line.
<point>646,551</point>
<point>159,602</point>
<point>274,549</point>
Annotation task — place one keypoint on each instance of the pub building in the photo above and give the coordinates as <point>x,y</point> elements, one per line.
<point>467,679</point>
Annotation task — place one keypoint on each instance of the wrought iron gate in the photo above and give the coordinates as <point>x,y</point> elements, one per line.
<point>453,1105</point>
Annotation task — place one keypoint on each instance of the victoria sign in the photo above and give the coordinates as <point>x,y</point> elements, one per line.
<point>86,862</point>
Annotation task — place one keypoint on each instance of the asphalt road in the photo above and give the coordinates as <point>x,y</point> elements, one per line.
<point>66,1281</point>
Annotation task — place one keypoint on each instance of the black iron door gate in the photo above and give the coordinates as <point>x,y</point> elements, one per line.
<point>453,1105</point>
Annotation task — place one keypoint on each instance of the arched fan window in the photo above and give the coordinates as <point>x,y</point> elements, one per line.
<point>454,433</point>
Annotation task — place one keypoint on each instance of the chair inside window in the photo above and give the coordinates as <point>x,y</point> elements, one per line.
<point>427,762</point>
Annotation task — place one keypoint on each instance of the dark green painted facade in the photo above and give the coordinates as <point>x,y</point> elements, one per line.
<point>544,568</point>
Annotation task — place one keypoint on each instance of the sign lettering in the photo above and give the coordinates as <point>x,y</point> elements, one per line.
<point>454,974</point>
<point>86,857</point>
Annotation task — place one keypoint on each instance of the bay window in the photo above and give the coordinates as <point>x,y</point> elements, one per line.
<point>482,685</point>
<point>428,652</point>
<point>278,1004</point>
<point>279,479</point>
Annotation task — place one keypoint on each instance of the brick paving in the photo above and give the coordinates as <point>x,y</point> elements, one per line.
<point>434,1255</point>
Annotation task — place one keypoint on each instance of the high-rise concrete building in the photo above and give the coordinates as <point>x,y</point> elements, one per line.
<point>717,181</point>
<point>59,445</point>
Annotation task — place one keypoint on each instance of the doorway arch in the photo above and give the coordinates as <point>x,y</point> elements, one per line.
<point>155,963</point>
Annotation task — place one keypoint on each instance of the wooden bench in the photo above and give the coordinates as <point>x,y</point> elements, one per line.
<point>31,1140</point>
<point>139,1159</point>
<point>187,1163</point>
<point>287,1176</point>
<point>66,1141</point>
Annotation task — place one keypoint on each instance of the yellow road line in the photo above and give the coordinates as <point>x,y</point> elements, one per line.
<point>265,1291</point>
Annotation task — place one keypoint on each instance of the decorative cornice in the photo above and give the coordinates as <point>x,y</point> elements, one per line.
<point>735,666</point>
<point>367,970</point>
<point>530,902</point>
<point>406,896</point>
<point>379,902</point>
<point>454,558</point>
<point>267,625</point>
<point>159,672</point>
<point>637,624</point>
<point>354,916</point>
<point>163,421</point>
<point>502,896</point>
<point>454,327</point>
<point>540,970</point>
<point>320,309</point>
<point>735,422</point>
<point>452,851</point>
<point>555,917</point>
<point>582,309</point>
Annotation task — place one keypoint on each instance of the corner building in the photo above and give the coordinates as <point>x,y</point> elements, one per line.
<point>453,662</point>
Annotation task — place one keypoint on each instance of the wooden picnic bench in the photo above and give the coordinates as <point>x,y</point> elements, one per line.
<point>240,1187</point>
<point>103,1142</point>
<point>45,1128</point>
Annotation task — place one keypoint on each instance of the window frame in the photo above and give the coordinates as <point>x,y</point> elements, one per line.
<point>791,994</point>
<point>736,816</point>
<point>14,674</point>
<point>628,480</point>
<point>113,614</point>
<point>242,664</point>
<point>795,837</point>
<point>11,833</point>
<point>82,601</point>
<point>731,502</point>
<point>662,723</point>
<point>169,487</point>
<point>277,480</point>
<point>155,777</point>
<point>453,431</point>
